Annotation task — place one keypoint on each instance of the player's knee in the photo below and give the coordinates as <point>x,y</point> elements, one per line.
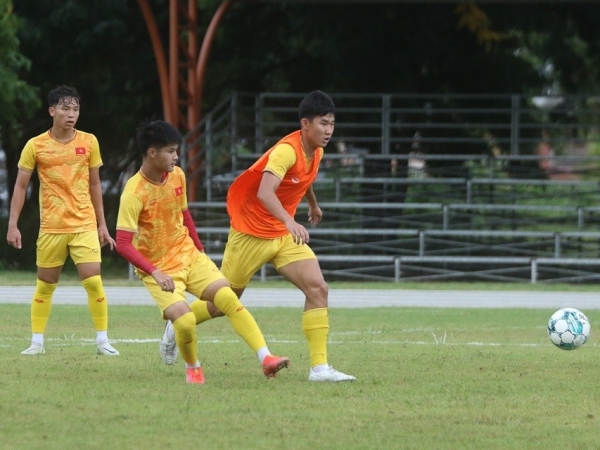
<point>45,288</point>
<point>226,300</point>
<point>185,325</point>
<point>320,290</point>
<point>214,311</point>
<point>317,294</point>
<point>93,285</point>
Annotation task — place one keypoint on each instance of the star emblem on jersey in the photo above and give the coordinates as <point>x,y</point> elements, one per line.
<point>80,150</point>
<point>178,191</point>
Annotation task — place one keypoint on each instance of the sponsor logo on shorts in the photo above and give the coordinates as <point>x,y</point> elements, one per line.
<point>295,180</point>
<point>240,308</point>
<point>80,150</point>
<point>100,300</point>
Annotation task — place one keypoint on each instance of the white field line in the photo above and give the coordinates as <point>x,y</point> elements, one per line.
<point>437,340</point>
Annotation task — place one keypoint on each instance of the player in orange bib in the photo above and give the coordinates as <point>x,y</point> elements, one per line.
<point>156,233</point>
<point>71,214</point>
<point>262,203</point>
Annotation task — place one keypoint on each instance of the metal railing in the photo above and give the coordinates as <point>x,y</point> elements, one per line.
<point>413,184</point>
<point>500,128</point>
<point>450,268</point>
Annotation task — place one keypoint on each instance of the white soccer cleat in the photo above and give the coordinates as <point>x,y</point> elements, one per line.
<point>104,348</point>
<point>168,346</point>
<point>329,374</point>
<point>34,349</point>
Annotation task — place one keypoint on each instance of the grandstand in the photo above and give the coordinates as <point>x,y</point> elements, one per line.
<point>426,187</point>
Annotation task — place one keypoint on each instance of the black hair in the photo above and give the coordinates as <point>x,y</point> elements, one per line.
<point>157,134</point>
<point>61,92</point>
<point>316,104</point>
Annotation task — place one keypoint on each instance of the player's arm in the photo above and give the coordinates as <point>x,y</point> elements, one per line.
<point>128,217</point>
<point>314,212</point>
<point>13,236</point>
<point>125,248</point>
<point>131,254</point>
<point>188,221</point>
<point>96,196</point>
<point>268,197</point>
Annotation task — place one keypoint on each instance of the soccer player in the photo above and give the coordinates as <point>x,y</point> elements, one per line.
<point>71,214</point>
<point>262,203</point>
<point>169,256</point>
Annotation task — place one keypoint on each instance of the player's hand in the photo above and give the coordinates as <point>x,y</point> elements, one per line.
<point>13,237</point>
<point>165,282</point>
<point>298,232</point>
<point>314,215</point>
<point>105,237</point>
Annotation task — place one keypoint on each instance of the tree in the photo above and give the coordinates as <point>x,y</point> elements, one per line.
<point>102,47</point>
<point>19,99</point>
<point>17,102</point>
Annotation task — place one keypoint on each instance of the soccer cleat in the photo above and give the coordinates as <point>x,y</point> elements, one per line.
<point>329,374</point>
<point>104,348</point>
<point>34,349</point>
<point>194,375</point>
<point>168,346</point>
<point>273,364</point>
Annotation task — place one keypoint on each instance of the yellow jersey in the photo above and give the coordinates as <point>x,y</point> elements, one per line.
<point>154,211</point>
<point>64,173</point>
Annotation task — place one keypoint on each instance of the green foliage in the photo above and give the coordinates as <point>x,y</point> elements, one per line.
<point>106,55</point>
<point>23,258</point>
<point>18,99</point>
<point>561,45</point>
<point>102,47</point>
<point>426,378</point>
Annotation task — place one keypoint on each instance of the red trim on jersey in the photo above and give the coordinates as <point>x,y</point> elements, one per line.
<point>126,249</point>
<point>189,223</point>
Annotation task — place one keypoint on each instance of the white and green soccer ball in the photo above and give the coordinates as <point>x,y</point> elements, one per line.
<point>568,328</point>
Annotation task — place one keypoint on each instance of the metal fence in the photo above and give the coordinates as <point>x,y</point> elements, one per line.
<point>411,185</point>
<point>493,132</point>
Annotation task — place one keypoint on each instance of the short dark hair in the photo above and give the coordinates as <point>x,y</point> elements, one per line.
<point>157,134</point>
<point>60,92</point>
<point>316,104</point>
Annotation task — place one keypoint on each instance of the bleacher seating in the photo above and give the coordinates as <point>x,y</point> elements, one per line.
<point>380,251</point>
<point>400,203</point>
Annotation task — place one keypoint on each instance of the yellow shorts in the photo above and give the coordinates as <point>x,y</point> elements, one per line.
<point>53,249</point>
<point>245,254</point>
<point>194,279</point>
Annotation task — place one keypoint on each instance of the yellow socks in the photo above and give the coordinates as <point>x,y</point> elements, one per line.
<point>315,324</point>
<point>97,302</point>
<point>41,305</point>
<point>200,310</point>
<point>186,337</point>
<point>240,318</point>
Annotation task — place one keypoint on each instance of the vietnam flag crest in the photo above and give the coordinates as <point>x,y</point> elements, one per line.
<point>80,150</point>
<point>178,191</point>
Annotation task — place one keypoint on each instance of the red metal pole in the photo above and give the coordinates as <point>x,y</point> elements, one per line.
<point>199,86</point>
<point>161,62</point>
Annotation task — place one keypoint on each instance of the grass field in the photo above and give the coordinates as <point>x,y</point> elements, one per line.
<point>426,379</point>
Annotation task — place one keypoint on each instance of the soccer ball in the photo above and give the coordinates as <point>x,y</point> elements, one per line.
<point>568,328</point>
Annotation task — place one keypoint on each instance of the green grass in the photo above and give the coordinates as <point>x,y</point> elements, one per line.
<point>426,379</point>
